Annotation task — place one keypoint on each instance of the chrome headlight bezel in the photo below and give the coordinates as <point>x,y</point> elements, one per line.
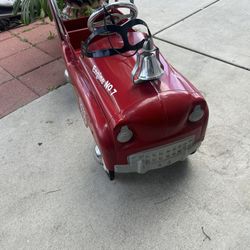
<point>196,114</point>
<point>125,134</point>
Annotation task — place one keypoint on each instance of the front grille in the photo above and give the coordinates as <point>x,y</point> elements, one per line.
<point>164,155</point>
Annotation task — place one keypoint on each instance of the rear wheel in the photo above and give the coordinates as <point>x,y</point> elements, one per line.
<point>4,24</point>
<point>9,23</point>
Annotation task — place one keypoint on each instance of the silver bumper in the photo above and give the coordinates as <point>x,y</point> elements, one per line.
<point>159,157</point>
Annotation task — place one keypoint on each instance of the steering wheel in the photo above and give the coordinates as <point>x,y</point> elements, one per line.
<point>115,15</point>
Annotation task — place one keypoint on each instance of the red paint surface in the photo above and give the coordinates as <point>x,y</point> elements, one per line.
<point>156,111</point>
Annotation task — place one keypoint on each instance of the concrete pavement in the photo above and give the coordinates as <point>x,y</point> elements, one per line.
<point>163,14</point>
<point>55,196</point>
<point>221,31</point>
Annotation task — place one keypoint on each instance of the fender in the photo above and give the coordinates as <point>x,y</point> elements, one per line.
<point>97,122</point>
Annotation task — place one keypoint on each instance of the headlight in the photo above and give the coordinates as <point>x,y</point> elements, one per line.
<point>124,135</point>
<point>196,114</point>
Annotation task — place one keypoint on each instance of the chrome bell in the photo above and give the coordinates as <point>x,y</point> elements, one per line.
<point>148,66</point>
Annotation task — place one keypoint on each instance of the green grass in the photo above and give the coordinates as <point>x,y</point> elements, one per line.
<point>51,36</point>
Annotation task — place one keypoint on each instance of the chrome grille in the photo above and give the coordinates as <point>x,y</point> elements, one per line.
<point>162,156</point>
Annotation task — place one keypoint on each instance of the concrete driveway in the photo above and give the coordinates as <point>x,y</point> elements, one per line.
<point>55,196</point>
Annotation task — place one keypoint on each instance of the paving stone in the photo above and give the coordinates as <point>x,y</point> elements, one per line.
<point>13,94</point>
<point>48,21</point>
<point>23,28</point>
<point>52,23</point>
<point>45,78</point>
<point>12,46</point>
<point>5,35</point>
<point>29,27</point>
<point>51,47</point>
<point>39,34</point>
<point>4,76</point>
<point>25,61</point>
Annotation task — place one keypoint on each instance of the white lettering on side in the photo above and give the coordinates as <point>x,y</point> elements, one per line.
<point>105,83</point>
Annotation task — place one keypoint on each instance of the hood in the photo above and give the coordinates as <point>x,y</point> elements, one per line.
<point>120,97</point>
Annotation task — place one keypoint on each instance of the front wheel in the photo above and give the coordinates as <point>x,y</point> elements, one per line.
<point>111,175</point>
<point>99,159</point>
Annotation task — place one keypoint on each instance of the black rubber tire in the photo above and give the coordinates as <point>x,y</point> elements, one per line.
<point>9,23</point>
<point>111,175</point>
<point>4,24</point>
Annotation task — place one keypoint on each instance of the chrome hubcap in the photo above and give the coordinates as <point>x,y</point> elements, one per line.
<point>98,155</point>
<point>66,75</point>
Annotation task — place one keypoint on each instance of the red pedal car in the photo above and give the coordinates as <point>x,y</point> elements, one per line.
<point>143,114</point>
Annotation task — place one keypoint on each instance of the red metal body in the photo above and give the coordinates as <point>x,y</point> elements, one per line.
<point>156,111</point>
